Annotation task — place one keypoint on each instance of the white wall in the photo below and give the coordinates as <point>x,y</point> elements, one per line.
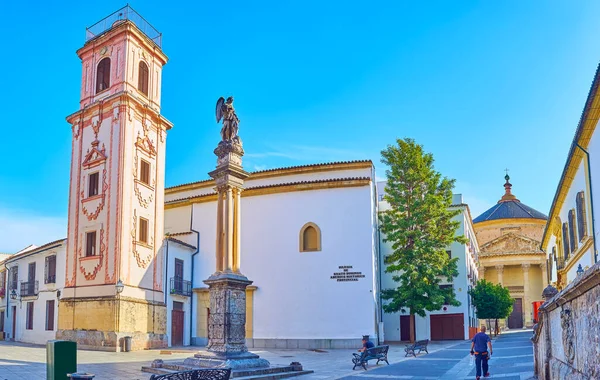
<point>296,298</point>
<point>38,334</point>
<point>177,251</point>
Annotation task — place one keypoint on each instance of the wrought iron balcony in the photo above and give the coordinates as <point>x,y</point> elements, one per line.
<point>125,13</point>
<point>181,287</point>
<point>29,289</point>
<point>50,279</point>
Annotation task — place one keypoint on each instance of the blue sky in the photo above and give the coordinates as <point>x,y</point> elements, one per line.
<point>483,85</point>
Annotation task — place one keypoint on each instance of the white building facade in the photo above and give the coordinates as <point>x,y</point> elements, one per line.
<point>31,288</point>
<point>570,238</point>
<point>451,322</point>
<point>308,243</point>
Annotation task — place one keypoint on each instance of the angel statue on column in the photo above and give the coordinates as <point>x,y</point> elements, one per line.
<point>225,111</point>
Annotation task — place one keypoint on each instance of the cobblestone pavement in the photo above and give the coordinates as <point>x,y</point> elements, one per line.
<point>512,360</point>
<point>28,362</point>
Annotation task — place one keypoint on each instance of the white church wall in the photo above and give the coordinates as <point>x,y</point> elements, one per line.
<point>177,219</point>
<point>296,298</point>
<point>310,175</point>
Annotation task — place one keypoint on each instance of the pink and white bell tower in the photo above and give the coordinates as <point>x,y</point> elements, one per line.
<point>114,267</point>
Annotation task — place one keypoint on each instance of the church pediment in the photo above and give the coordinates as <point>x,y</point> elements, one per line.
<point>511,243</point>
<point>94,157</point>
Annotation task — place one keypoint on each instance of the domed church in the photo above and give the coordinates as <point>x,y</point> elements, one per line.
<point>509,236</point>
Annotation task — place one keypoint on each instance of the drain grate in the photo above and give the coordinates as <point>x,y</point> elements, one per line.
<point>317,350</point>
<point>287,356</point>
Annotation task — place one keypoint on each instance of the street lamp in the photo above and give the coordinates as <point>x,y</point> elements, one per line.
<point>119,286</point>
<point>13,295</point>
<point>579,270</point>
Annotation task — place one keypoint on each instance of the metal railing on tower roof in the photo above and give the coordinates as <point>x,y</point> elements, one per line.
<point>125,13</point>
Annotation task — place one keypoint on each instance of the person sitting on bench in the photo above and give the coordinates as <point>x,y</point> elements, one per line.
<point>366,344</point>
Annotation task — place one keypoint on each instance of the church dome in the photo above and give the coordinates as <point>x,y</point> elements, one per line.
<point>509,207</point>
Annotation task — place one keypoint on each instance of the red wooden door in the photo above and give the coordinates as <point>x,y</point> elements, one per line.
<point>177,317</point>
<point>515,319</point>
<point>447,327</point>
<point>405,328</point>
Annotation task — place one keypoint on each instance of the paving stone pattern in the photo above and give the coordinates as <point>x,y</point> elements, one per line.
<point>512,360</point>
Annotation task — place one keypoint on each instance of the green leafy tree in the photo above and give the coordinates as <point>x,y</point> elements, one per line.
<point>420,227</point>
<point>492,301</point>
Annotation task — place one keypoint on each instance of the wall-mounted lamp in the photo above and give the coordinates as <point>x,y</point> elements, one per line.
<point>120,286</point>
<point>13,295</point>
<point>579,270</point>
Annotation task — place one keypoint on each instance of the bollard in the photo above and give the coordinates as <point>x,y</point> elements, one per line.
<point>81,376</point>
<point>127,344</point>
<point>61,359</point>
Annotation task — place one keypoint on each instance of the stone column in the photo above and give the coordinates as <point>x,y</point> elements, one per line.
<point>544,269</point>
<point>500,270</point>
<point>227,286</point>
<point>527,307</point>
<point>482,272</point>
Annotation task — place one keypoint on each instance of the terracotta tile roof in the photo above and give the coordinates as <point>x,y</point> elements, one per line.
<point>38,249</point>
<point>277,169</point>
<point>182,243</point>
<point>299,183</point>
<point>181,233</point>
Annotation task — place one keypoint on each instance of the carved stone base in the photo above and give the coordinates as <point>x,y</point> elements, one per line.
<point>227,321</point>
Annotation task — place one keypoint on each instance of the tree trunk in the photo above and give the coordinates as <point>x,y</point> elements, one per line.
<point>496,327</point>
<point>412,328</point>
<point>489,325</point>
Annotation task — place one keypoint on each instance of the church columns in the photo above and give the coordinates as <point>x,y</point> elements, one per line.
<point>545,280</point>
<point>482,272</point>
<point>527,304</point>
<point>500,270</point>
<point>229,230</point>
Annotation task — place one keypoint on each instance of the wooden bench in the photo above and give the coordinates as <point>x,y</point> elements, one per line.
<point>379,353</point>
<point>196,374</point>
<point>420,345</point>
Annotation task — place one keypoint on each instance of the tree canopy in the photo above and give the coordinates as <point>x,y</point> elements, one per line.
<point>492,301</point>
<point>420,227</point>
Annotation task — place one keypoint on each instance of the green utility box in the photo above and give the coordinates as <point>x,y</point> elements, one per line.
<point>61,359</point>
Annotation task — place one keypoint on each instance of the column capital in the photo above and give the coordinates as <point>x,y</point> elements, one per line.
<point>525,267</point>
<point>500,267</point>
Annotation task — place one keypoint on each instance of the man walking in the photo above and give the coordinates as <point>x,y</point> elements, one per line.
<point>479,348</point>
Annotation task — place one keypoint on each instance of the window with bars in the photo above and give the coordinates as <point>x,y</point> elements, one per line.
<point>14,278</point>
<point>50,270</point>
<point>29,317</point>
<point>103,75</point>
<point>572,229</point>
<point>145,172</point>
<point>90,243</point>
<point>581,216</point>
<point>50,315</point>
<point>143,233</point>
<point>93,181</point>
<point>143,78</point>
<point>565,240</point>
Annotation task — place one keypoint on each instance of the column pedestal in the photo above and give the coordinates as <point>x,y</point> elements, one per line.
<point>227,324</point>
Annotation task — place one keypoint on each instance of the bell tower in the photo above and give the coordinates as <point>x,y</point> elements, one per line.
<point>114,266</point>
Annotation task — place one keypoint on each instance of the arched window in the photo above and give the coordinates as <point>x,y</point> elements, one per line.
<point>143,78</point>
<point>103,75</point>
<point>310,238</point>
